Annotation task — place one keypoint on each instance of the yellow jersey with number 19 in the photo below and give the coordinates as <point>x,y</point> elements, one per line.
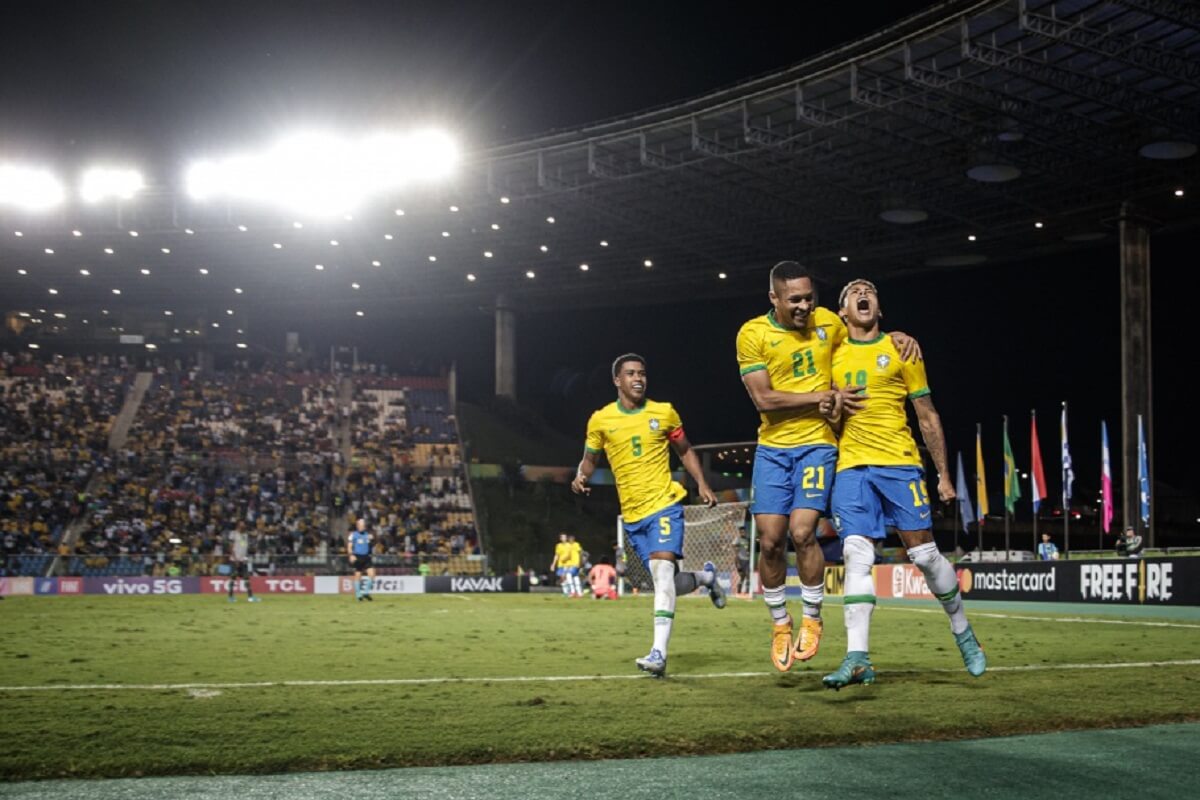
<point>637,444</point>
<point>796,361</point>
<point>878,435</point>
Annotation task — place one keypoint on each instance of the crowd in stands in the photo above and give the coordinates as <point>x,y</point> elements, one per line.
<point>55,417</point>
<point>285,415</point>
<point>266,445</point>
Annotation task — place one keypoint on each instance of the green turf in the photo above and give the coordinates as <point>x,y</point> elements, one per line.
<point>202,639</point>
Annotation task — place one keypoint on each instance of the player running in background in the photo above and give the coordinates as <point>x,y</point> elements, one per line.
<point>239,562</point>
<point>574,565</point>
<point>636,434</point>
<point>558,564</point>
<point>881,481</point>
<point>358,551</point>
<point>784,357</point>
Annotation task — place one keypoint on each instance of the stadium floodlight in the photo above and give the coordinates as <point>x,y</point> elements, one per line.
<point>318,173</point>
<point>104,183</point>
<point>29,188</point>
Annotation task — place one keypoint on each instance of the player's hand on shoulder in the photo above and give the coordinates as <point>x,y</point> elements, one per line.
<point>910,348</point>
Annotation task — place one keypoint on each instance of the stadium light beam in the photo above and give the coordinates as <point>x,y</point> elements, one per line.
<point>29,188</point>
<point>104,183</point>
<point>322,174</point>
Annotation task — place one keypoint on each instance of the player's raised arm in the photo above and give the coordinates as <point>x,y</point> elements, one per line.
<point>683,448</point>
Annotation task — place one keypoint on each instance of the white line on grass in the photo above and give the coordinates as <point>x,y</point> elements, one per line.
<point>1026,618</point>
<point>1189,662</point>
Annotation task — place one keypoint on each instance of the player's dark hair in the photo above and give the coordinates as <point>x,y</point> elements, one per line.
<point>616,368</point>
<point>785,271</point>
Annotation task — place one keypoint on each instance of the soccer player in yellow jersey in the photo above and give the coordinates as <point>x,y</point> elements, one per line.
<point>881,482</point>
<point>784,357</point>
<point>636,434</point>
<point>572,563</point>
<point>559,564</point>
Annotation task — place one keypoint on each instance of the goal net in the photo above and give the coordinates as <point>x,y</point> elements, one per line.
<point>709,534</point>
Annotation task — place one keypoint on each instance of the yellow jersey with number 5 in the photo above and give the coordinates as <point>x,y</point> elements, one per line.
<point>637,444</point>
<point>796,361</point>
<point>878,435</point>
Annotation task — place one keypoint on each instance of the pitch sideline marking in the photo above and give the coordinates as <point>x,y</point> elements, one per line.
<point>997,615</point>
<point>1188,662</point>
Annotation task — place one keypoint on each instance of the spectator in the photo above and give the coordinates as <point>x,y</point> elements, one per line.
<point>1047,550</point>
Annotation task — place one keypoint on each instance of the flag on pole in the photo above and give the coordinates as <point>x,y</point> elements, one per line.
<point>1106,494</point>
<point>1068,474</point>
<point>1012,484</point>
<point>1036,473</point>
<point>1143,476</point>
<point>981,499</point>
<point>964,497</point>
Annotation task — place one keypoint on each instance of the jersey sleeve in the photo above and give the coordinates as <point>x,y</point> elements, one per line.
<point>594,443</point>
<point>833,325</point>
<point>915,382</point>
<point>672,423</point>
<point>749,350</point>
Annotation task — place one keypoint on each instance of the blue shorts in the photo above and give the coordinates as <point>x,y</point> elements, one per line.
<point>572,571</point>
<point>661,532</point>
<point>798,477</point>
<point>866,500</point>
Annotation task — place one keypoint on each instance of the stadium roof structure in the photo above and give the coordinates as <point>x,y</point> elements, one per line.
<point>973,132</point>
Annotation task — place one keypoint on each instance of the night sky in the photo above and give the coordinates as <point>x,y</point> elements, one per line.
<point>160,82</point>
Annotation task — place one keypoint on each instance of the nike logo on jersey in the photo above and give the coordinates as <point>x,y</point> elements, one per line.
<point>613,430</point>
<point>924,514</point>
<point>776,342</point>
<point>662,540</point>
<point>811,495</point>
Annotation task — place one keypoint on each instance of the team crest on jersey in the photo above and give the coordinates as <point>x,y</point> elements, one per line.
<point>883,360</point>
<point>654,425</point>
<point>821,334</point>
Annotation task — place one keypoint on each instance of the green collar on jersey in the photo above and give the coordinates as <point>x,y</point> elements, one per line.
<point>866,341</point>
<point>621,407</point>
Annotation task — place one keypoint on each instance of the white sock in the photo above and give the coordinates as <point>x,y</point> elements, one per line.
<point>859,601</point>
<point>942,581</point>
<point>578,581</point>
<point>566,585</point>
<point>812,596</point>
<point>776,600</point>
<point>664,602</point>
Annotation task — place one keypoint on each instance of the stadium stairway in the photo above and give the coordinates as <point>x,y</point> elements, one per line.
<point>133,401</point>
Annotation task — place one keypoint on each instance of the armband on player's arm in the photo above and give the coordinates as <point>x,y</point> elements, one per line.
<point>677,434</point>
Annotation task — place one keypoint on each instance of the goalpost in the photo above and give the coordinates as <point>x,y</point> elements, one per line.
<point>709,534</point>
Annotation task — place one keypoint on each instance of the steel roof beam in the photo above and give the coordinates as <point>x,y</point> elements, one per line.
<point>1184,13</point>
<point>1110,44</point>
<point>1098,90</point>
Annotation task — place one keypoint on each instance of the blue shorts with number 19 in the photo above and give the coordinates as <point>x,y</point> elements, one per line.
<point>866,500</point>
<point>661,532</point>
<point>798,477</point>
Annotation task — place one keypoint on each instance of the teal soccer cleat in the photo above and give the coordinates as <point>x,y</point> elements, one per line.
<point>972,653</point>
<point>855,668</point>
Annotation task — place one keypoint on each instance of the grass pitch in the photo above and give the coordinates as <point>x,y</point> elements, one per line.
<point>369,682</point>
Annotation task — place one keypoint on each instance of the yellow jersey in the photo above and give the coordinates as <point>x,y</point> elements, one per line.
<point>797,361</point>
<point>878,435</point>
<point>637,444</point>
<point>573,558</point>
<point>560,554</point>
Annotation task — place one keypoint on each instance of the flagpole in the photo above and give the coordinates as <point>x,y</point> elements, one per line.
<point>1066,491</point>
<point>1007,483</point>
<point>1033,495</point>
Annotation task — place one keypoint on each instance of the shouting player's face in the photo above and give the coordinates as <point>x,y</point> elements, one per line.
<point>794,301</point>
<point>631,381</point>
<point>861,306</point>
